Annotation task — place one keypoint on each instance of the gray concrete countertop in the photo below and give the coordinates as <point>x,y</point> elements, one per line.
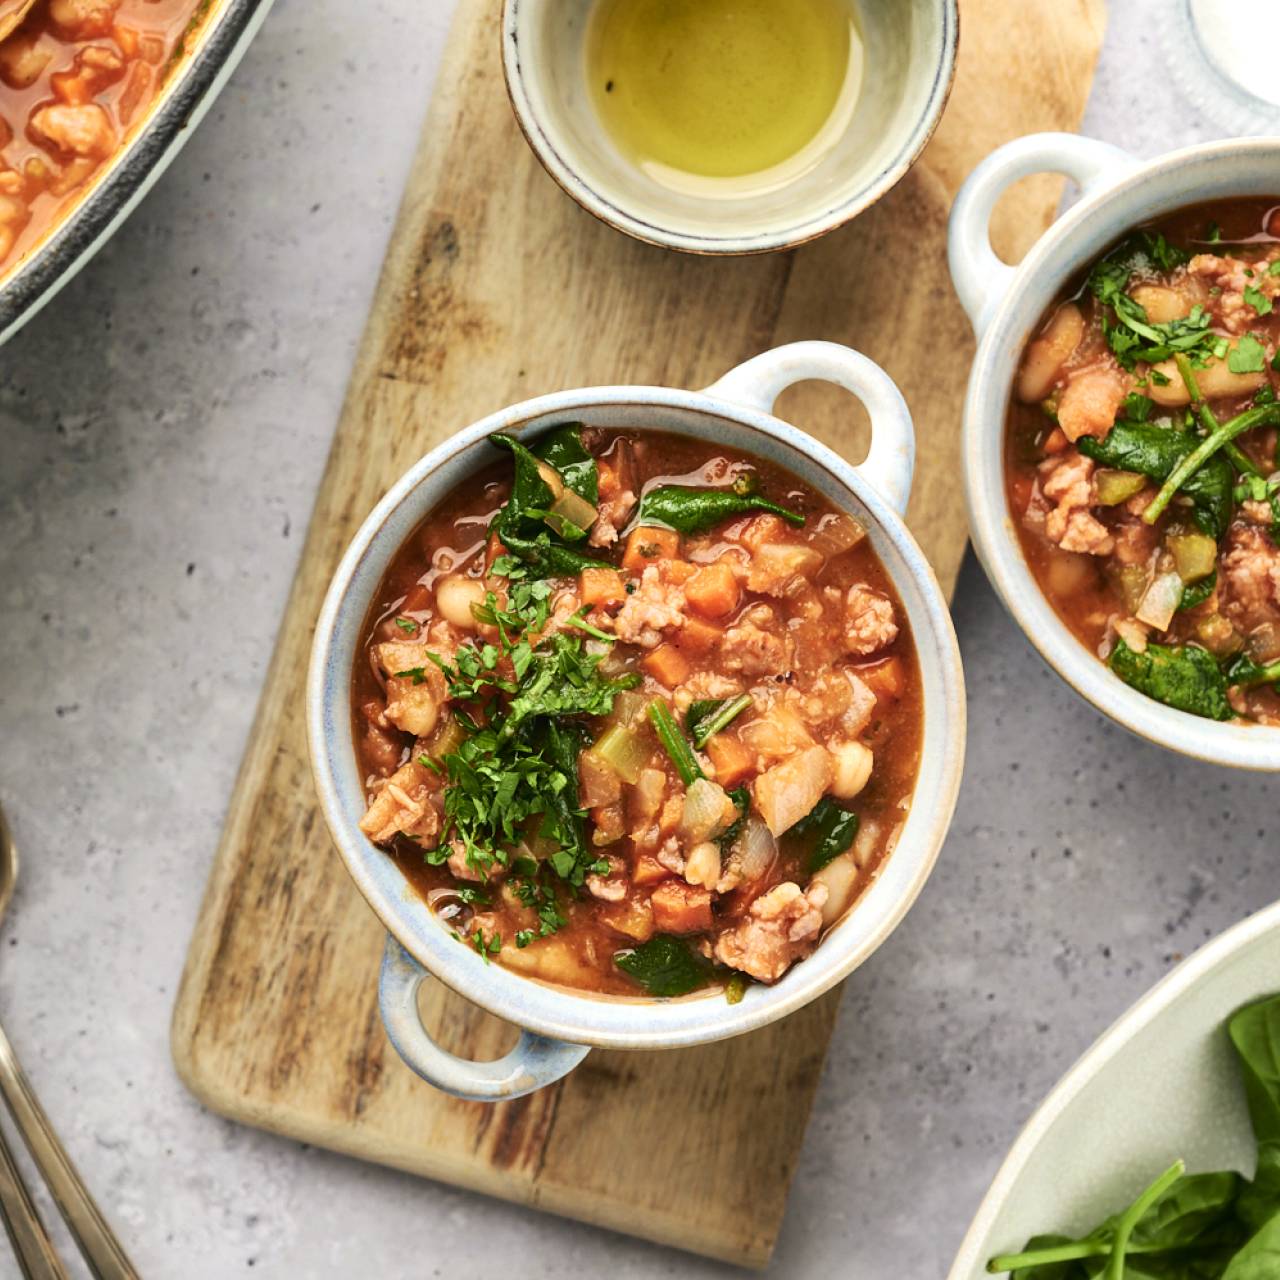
<point>163,425</point>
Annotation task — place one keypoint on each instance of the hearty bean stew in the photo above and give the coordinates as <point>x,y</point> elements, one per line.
<point>1141,460</point>
<point>631,725</point>
<point>74,76</point>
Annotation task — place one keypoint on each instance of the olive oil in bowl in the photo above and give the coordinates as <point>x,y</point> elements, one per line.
<point>729,97</point>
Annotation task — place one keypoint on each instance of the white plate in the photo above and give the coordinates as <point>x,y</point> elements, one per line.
<point>1163,1082</point>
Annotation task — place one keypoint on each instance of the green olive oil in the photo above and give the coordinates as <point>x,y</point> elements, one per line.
<point>721,89</point>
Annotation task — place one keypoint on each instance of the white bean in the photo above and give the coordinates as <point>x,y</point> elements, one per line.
<point>840,875</point>
<point>1161,303</point>
<point>454,597</point>
<point>1047,353</point>
<point>853,764</point>
<point>702,867</point>
<point>1215,381</point>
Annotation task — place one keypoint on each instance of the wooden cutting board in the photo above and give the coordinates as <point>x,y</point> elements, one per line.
<point>497,287</point>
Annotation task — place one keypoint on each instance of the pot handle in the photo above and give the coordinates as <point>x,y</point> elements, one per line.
<point>982,279</point>
<point>533,1064</point>
<point>889,463</point>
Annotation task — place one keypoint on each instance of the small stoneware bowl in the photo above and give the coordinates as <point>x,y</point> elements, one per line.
<point>1162,1083</point>
<point>1006,304</point>
<point>910,54</point>
<point>558,1024</point>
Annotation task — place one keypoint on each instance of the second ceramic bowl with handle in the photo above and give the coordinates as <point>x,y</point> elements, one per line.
<point>1006,304</point>
<point>560,1025</point>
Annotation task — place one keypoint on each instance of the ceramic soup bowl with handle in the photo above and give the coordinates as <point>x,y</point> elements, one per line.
<point>559,1024</point>
<point>1006,305</point>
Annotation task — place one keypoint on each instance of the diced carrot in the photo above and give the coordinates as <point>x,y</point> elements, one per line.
<point>1056,441</point>
<point>760,530</point>
<point>647,544</point>
<point>126,38</point>
<point>681,908</point>
<point>731,759</point>
<point>601,587</point>
<point>713,590</point>
<point>648,870</point>
<point>633,918</point>
<point>697,636</point>
<point>492,551</point>
<point>887,679</point>
<point>667,665</point>
<point>416,600</point>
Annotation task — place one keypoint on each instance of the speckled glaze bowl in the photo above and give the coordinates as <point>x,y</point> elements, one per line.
<point>559,1025</point>
<point>911,55</point>
<point>122,182</point>
<point>1163,1082</point>
<point>1006,304</point>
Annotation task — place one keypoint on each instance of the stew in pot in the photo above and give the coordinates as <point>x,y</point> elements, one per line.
<point>75,77</point>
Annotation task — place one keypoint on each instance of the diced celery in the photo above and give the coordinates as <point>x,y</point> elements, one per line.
<point>1115,487</point>
<point>571,509</point>
<point>1131,581</point>
<point>623,751</point>
<point>1195,555</point>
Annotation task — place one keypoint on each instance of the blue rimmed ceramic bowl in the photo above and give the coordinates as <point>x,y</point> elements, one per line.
<point>909,48</point>
<point>558,1024</point>
<point>1006,305</point>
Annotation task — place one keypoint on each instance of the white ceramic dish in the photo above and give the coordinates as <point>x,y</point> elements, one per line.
<point>560,1024</point>
<point>1006,305</point>
<point>910,55</point>
<point>122,182</point>
<point>1163,1082</point>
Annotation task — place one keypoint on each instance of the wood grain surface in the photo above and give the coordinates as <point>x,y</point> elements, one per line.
<point>497,287</point>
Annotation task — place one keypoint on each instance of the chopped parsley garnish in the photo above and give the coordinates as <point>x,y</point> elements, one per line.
<point>1257,300</point>
<point>1247,356</point>
<point>1131,335</point>
<point>407,625</point>
<point>513,780</point>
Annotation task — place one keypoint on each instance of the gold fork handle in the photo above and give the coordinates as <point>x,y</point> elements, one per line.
<point>102,1251</point>
<point>31,1243</point>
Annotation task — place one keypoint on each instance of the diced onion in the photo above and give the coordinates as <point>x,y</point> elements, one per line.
<point>1161,602</point>
<point>707,810</point>
<point>836,532</point>
<point>755,849</point>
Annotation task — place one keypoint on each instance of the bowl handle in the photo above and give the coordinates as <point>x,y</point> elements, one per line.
<point>533,1064</point>
<point>889,463</point>
<point>982,279</point>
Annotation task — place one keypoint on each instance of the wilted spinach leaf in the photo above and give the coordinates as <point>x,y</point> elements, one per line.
<point>1184,677</point>
<point>835,830</point>
<point>689,510</point>
<point>663,966</point>
<point>1155,452</point>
